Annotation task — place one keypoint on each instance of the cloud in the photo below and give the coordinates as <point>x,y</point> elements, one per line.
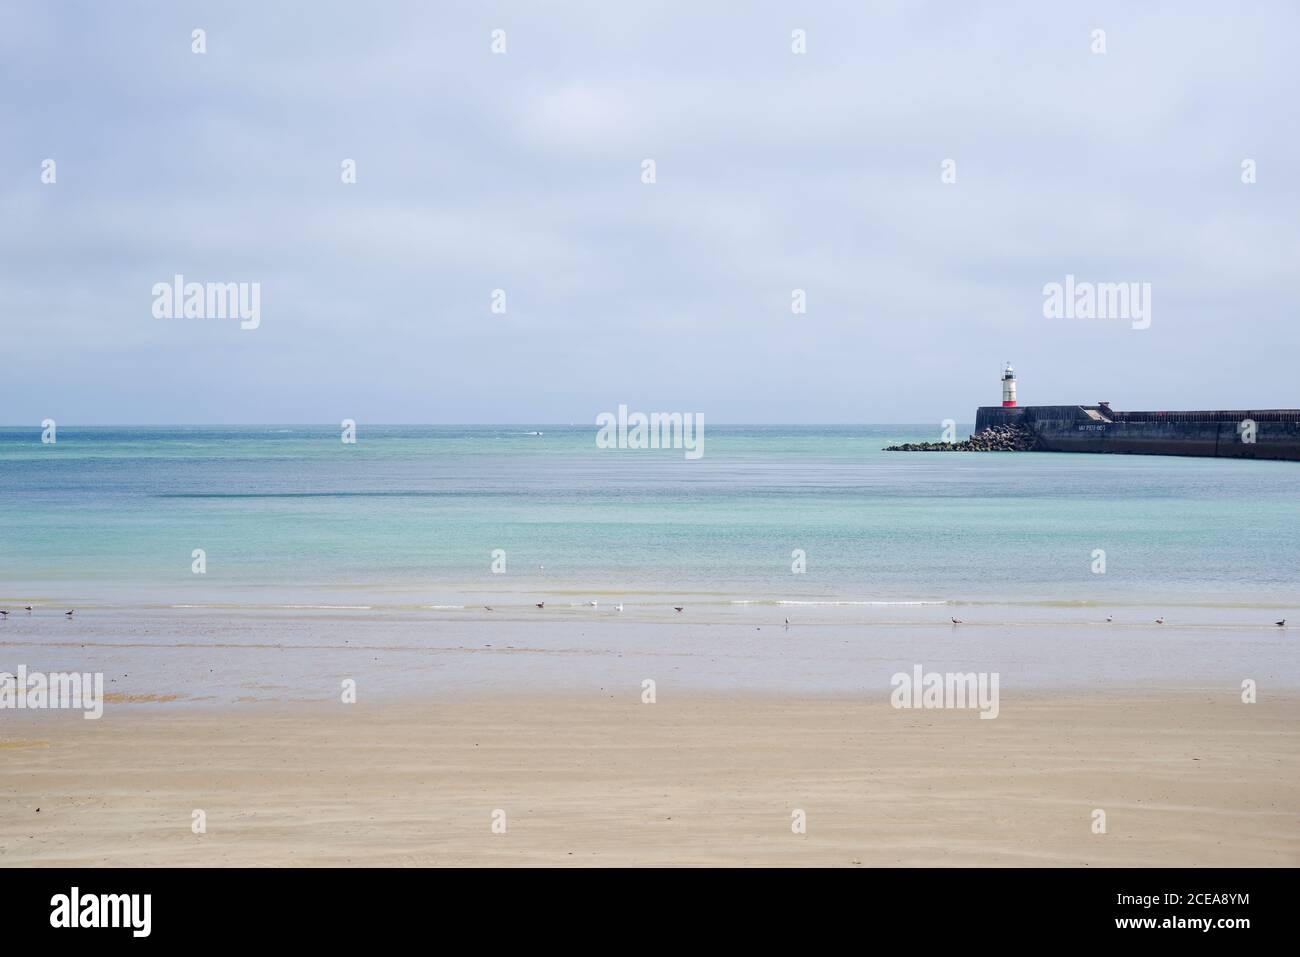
<point>522,172</point>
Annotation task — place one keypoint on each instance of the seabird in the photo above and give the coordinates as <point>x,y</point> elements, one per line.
<point>787,622</point>
<point>1110,617</point>
<point>27,608</point>
<point>592,603</point>
<point>1160,621</point>
<point>4,613</point>
<point>618,607</point>
<point>956,621</point>
<point>541,604</point>
<point>69,613</point>
<point>1280,624</point>
<point>677,607</point>
<point>486,608</point>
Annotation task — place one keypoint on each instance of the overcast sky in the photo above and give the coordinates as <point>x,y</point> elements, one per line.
<point>774,171</point>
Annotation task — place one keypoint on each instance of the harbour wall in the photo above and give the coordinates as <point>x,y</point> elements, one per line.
<point>1217,433</point>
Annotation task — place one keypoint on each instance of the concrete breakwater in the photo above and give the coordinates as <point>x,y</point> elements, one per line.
<point>1219,433</point>
<point>1246,434</point>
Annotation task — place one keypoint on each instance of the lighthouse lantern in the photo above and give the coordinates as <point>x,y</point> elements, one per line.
<point>1008,386</point>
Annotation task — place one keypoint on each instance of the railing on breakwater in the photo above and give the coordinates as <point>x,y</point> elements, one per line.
<point>1262,415</point>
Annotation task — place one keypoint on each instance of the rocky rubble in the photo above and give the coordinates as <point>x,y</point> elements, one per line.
<point>999,438</point>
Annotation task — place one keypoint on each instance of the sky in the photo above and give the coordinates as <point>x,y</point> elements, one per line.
<point>522,171</point>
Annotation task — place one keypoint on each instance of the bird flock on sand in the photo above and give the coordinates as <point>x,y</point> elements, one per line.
<point>680,609</point>
<point>4,613</point>
<point>1109,618</point>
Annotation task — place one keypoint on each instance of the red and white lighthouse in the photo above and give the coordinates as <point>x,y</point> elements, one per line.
<point>1008,387</point>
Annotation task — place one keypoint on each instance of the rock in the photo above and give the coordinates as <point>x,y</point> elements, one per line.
<point>999,438</point>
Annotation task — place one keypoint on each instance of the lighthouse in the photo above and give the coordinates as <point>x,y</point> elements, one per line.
<point>1008,387</point>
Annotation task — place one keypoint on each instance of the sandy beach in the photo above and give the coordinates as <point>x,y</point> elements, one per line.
<point>468,436</point>
<point>1189,777</point>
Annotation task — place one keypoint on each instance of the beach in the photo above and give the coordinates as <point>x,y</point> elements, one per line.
<point>1185,778</point>
<point>357,655</point>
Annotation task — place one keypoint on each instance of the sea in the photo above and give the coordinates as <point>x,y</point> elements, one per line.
<point>280,535</point>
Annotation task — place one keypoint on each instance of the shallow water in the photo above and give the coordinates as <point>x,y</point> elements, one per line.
<point>412,516</point>
<point>374,562</point>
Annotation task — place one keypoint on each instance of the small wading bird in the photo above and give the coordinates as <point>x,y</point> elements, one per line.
<point>1110,617</point>
<point>787,622</point>
<point>541,604</point>
<point>69,613</point>
<point>3,613</point>
<point>677,607</point>
<point>956,621</point>
<point>28,609</point>
<point>618,607</point>
<point>1160,621</point>
<point>592,603</point>
<point>1280,624</point>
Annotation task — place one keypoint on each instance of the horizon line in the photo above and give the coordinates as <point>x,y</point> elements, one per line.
<point>448,425</point>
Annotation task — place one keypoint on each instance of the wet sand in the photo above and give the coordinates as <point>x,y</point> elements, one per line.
<point>1186,777</point>
<point>217,657</point>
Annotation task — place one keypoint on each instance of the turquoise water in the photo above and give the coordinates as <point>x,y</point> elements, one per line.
<point>413,514</point>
